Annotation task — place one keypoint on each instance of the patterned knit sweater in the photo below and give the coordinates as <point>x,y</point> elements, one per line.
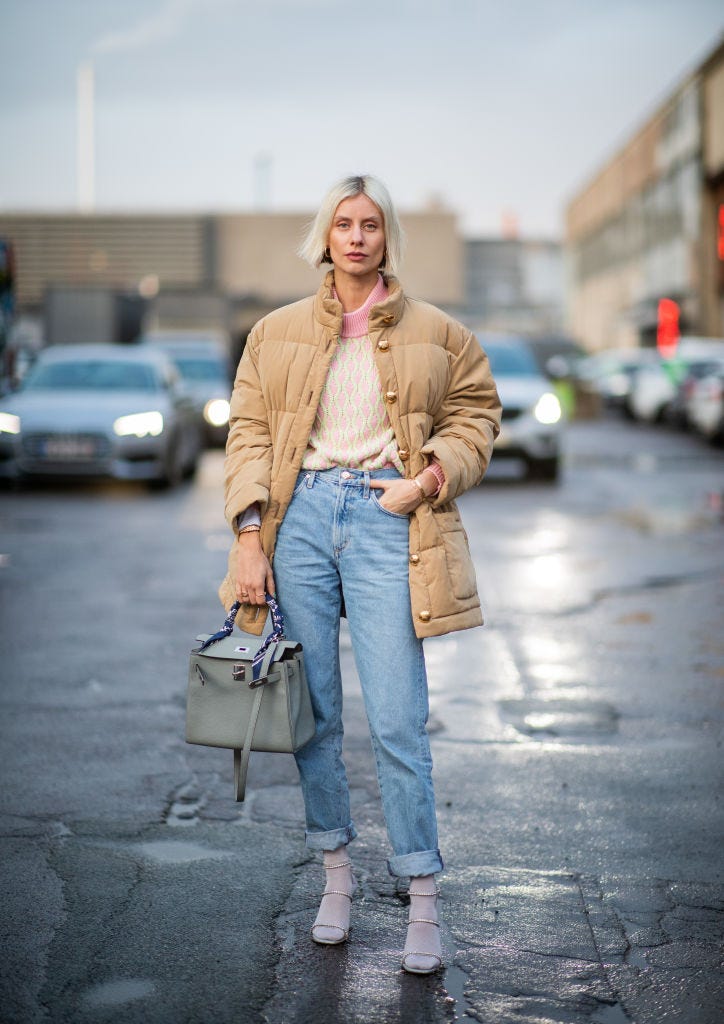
<point>352,427</point>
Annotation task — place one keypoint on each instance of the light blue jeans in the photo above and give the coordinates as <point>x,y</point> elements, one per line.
<point>336,541</point>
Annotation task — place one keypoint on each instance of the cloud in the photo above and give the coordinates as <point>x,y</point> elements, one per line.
<point>161,25</point>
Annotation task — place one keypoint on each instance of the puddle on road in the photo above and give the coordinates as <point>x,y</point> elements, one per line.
<point>567,719</point>
<point>172,851</point>
<point>614,1013</point>
<point>111,994</point>
<point>456,1005</point>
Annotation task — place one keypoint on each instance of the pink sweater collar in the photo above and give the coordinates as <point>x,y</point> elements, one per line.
<point>354,324</point>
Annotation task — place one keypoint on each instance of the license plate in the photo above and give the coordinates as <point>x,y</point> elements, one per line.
<point>69,448</point>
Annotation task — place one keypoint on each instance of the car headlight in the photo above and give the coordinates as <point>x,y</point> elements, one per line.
<point>216,412</point>
<point>547,408</point>
<point>139,423</point>
<point>9,423</point>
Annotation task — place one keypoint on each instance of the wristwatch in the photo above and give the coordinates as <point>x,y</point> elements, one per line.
<point>420,488</point>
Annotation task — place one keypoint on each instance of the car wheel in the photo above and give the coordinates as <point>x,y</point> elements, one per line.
<point>190,469</point>
<point>544,469</point>
<point>628,410</point>
<point>172,471</point>
<point>716,438</point>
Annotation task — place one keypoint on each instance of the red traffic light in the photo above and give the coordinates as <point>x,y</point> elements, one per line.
<point>667,331</point>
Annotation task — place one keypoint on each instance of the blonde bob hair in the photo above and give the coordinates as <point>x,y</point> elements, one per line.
<point>314,245</point>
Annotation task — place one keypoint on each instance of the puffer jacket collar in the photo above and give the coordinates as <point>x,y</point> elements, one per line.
<point>328,310</point>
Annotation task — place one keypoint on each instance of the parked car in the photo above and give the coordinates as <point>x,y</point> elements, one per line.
<point>678,410</point>
<point>532,415</point>
<point>203,366</point>
<point>99,410</point>
<point>705,405</point>
<point>654,386</point>
<point>611,372</point>
<point>557,355</point>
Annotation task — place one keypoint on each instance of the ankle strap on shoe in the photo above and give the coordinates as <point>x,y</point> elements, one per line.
<point>436,893</point>
<point>344,864</point>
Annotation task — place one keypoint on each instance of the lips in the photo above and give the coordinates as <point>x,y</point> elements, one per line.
<point>356,255</point>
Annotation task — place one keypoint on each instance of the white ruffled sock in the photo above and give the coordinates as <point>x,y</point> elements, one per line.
<point>423,947</point>
<point>332,924</point>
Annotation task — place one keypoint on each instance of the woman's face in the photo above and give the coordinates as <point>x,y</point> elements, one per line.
<point>357,236</point>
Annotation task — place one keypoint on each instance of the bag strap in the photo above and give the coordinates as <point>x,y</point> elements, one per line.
<point>241,757</point>
<point>264,656</point>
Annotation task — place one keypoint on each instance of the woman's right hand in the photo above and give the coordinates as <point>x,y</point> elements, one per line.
<point>254,577</point>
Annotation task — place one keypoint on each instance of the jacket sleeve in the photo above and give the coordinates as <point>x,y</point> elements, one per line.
<point>467,422</point>
<point>247,467</point>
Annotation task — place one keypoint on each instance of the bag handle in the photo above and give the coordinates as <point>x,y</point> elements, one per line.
<point>274,637</point>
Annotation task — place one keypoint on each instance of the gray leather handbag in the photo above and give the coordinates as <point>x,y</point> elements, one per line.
<point>248,693</point>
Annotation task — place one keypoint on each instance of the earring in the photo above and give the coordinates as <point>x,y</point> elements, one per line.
<point>327,257</point>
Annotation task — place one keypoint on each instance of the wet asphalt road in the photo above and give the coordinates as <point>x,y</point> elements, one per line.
<point>578,767</point>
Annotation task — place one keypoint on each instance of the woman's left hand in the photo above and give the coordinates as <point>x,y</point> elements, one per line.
<point>400,496</point>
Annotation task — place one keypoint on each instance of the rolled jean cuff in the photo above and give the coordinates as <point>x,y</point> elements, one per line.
<point>412,865</point>
<point>331,840</point>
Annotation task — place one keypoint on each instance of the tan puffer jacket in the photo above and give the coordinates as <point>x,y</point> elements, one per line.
<point>441,400</point>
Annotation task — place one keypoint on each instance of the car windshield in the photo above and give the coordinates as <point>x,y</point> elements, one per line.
<point>92,375</point>
<point>511,360</point>
<point>200,369</point>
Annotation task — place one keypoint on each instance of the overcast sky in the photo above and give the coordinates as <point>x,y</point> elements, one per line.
<point>490,106</point>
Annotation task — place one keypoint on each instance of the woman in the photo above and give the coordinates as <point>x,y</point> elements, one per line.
<point>358,415</point>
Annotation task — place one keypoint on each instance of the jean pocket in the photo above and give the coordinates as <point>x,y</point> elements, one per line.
<point>394,515</point>
<point>301,482</point>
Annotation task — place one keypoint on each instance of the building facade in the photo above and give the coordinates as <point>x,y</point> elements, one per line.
<point>514,284</point>
<point>646,226</point>
<point>222,270</point>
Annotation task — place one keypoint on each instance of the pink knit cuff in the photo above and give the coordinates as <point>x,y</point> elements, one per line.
<point>437,469</point>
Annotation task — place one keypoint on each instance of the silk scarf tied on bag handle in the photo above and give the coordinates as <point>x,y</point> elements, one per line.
<point>248,693</point>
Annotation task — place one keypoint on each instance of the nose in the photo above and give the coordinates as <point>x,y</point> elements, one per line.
<point>357,237</point>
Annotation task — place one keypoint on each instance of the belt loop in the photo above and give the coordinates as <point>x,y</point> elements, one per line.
<point>310,477</point>
<point>366,491</point>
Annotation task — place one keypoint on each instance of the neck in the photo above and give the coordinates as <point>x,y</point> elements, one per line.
<point>353,291</point>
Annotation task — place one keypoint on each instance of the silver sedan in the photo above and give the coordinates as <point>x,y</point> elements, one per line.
<point>532,414</point>
<point>99,410</point>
